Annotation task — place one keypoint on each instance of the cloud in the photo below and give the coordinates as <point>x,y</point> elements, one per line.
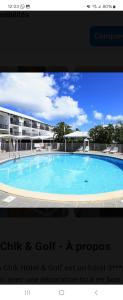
<point>111,118</point>
<point>71,88</point>
<point>70,81</point>
<point>80,121</point>
<point>98,115</point>
<point>118,118</point>
<point>28,91</point>
<point>63,107</point>
<point>37,94</point>
<point>73,76</point>
<point>66,76</point>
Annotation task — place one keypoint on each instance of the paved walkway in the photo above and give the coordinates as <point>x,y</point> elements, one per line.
<point>7,155</point>
<point>8,200</point>
<point>12,201</point>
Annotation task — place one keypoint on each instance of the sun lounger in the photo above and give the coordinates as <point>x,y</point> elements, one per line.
<point>80,149</point>
<point>86,149</point>
<point>114,150</point>
<point>108,149</point>
<point>39,149</point>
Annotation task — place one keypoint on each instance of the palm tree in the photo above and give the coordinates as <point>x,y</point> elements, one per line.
<point>97,134</point>
<point>109,134</point>
<point>101,134</point>
<point>60,130</point>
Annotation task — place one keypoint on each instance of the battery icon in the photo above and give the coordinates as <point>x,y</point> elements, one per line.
<point>28,6</point>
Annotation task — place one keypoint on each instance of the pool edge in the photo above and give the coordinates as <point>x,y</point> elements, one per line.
<point>115,195</point>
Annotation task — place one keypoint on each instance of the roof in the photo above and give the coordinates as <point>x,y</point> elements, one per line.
<point>4,136</point>
<point>23,137</point>
<point>12,112</point>
<point>76,134</point>
<point>42,137</point>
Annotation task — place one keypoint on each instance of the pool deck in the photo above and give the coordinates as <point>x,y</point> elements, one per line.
<point>12,199</point>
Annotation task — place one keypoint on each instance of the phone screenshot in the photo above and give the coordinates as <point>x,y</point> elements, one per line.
<point>61,150</point>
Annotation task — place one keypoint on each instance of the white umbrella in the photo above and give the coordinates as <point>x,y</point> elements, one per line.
<point>41,137</point>
<point>76,134</point>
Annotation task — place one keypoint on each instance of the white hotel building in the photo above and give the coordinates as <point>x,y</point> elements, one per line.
<point>20,132</point>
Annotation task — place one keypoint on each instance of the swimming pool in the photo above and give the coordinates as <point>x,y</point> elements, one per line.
<point>70,174</point>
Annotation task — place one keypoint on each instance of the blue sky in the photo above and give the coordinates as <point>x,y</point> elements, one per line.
<point>82,100</point>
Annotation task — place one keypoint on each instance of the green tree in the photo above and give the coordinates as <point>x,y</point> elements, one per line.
<point>101,134</point>
<point>118,133</point>
<point>92,134</point>
<point>60,130</point>
<point>109,134</point>
<point>97,134</point>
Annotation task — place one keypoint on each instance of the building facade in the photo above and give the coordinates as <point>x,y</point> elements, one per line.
<point>16,128</point>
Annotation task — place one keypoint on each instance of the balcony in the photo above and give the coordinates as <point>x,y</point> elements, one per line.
<point>47,128</point>
<point>42,127</point>
<point>26,133</point>
<point>34,134</point>
<point>34,125</point>
<point>15,133</point>
<point>15,122</point>
<point>2,126</point>
<point>26,124</point>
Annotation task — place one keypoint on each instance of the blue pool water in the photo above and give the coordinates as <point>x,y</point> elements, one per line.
<point>64,174</point>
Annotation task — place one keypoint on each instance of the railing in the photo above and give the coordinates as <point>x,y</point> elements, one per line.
<point>42,127</point>
<point>15,122</point>
<point>26,133</point>
<point>26,124</point>
<point>34,126</point>
<point>34,134</point>
<point>2,126</point>
<point>47,128</point>
<point>20,134</point>
<point>15,133</point>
